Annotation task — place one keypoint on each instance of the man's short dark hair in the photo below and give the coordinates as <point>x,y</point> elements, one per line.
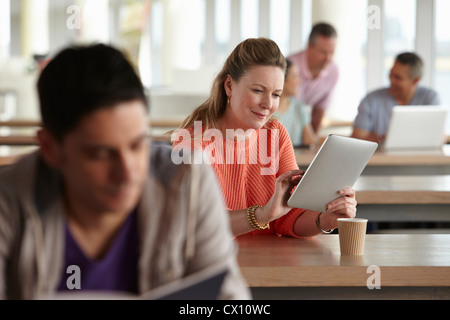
<point>322,29</point>
<point>414,62</point>
<point>82,79</point>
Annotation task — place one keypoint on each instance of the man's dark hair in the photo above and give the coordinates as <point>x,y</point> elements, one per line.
<point>414,62</point>
<point>322,29</point>
<point>83,79</point>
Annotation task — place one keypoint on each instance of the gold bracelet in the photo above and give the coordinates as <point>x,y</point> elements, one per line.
<point>252,219</point>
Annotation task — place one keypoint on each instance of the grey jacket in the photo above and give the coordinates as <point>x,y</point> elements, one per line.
<point>178,237</point>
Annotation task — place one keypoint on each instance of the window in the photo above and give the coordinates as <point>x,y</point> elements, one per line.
<point>194,37</point>
<point>156,39</point>
<point>223,28</point>
<point>350,57</point>
<point>442,52</point>
<point>5,32</point>
<point>399,31</point>
<point>279,22</point>
<point>249,19</point>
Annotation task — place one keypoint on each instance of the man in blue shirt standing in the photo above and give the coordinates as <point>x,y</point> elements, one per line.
<point>374,111</point>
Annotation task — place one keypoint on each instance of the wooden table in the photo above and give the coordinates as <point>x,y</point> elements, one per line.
<point>25,131</point>
<point>410,266</point>
<point>160,123</point>
<point>433,189</point>
<point>406,162</point>
<point>10,154</point>
<point>404,198</point>
<point>24,140</point>
<point>20,123</point>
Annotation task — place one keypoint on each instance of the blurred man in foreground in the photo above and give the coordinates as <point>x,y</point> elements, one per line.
<point>98,207</point>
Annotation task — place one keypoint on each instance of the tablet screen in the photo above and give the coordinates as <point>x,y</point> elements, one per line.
<point>337,165</point>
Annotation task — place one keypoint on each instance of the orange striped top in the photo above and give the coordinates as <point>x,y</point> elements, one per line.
<point>247,170</point>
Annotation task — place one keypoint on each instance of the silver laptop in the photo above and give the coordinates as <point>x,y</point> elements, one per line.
<point>416,127</point>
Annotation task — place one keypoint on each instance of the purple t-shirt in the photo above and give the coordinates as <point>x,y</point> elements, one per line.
<point>117,271</point>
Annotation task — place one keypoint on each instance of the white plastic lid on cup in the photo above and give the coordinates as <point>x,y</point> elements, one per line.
<point>352,219</point>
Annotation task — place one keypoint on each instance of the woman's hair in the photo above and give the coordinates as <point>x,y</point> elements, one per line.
<point>250,52</point>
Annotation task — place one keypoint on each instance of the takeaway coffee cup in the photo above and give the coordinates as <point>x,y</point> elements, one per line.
<point>352,235</point>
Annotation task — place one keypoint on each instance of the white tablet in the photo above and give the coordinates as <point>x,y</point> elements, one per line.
<point>337,165</point>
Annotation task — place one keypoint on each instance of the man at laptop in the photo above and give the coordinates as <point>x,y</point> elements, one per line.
<point>374,112</point>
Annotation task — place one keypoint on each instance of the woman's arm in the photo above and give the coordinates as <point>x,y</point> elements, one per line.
<point>309,137</point>
<point>343,207</point>
<point>275,208</point>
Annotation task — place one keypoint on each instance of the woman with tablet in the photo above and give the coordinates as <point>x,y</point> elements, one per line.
<point>251,152</point>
